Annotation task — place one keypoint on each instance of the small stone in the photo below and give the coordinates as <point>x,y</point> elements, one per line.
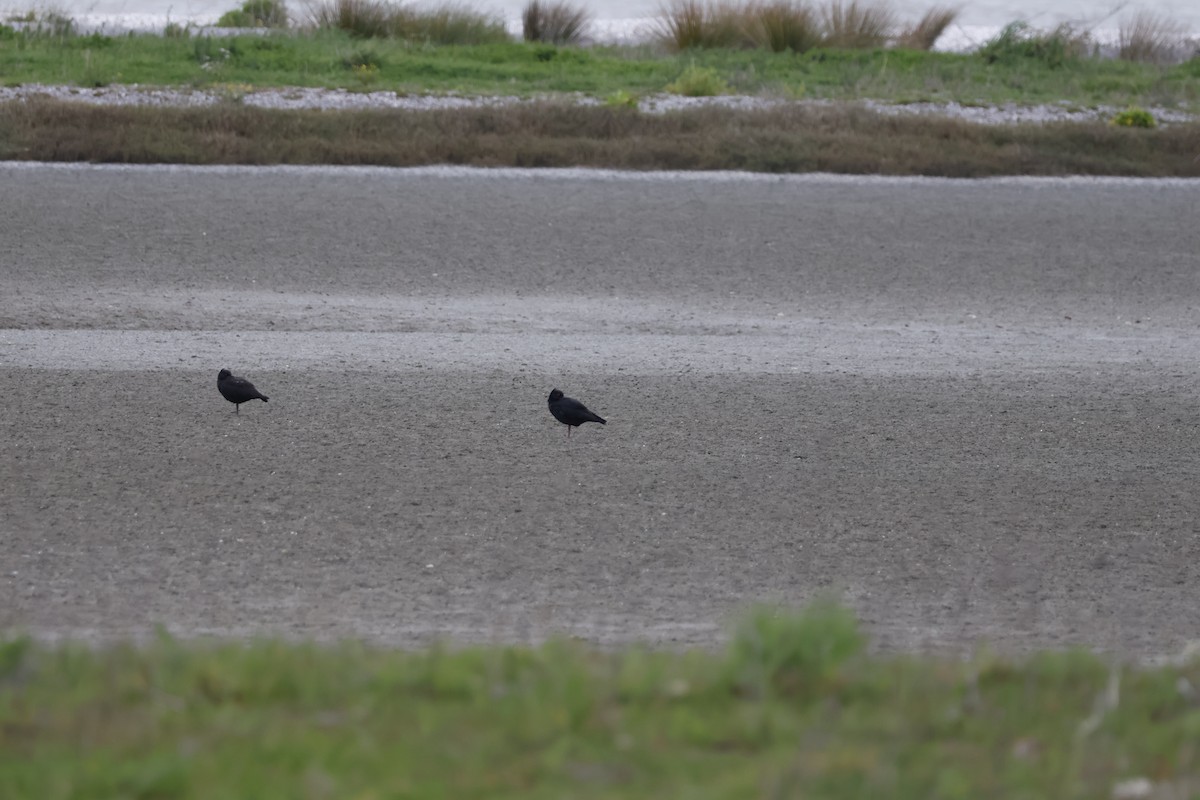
<point>1133,789</point>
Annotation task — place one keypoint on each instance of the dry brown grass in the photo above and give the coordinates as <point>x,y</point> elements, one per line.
<point>923,34</point>
<point>788,138</point>
<point>796,25</point>
<point>1150,38</point>
<point>777,25</point>
<point>780,25</point>
<point>555,22</point>
<point>855,25</point>
<point>448,23</point>
<point>456,23</point>
<point>365,18</point>
<point>687,24</point>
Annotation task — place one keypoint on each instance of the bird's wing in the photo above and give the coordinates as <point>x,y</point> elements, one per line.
<point>242,388</point>
<point>579,411</point>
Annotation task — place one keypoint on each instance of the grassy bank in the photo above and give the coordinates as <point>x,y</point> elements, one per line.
<point>792,708</point>
<point>784,139</point>
<point>334,59</point>
<point>559,133</point>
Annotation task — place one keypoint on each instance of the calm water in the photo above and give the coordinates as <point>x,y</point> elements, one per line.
<point>623,19</point>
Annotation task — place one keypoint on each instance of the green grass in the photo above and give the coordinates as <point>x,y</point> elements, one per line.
<point>792,708</point>
<point>256,14</point>
<point>320,59</point>
<point>1025,68</point>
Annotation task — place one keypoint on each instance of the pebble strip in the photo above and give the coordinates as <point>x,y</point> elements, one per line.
<point>342,99</point>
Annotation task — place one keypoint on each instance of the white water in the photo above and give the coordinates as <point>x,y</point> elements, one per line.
<point>629,19</point>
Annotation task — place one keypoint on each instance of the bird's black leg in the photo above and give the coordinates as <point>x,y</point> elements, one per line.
<point>237,409</point>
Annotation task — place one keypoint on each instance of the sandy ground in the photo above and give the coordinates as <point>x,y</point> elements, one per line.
<point>967,409</point>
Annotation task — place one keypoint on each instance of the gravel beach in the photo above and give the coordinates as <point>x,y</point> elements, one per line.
<point>343,100</point>
<point>965,408</point>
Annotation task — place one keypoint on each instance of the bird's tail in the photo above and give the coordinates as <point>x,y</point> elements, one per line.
<point>600,419</point>
<point>264,397</point>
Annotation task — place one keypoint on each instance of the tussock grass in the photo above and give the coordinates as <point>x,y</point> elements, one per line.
<point>1021,41</point>
<point>554,21</point>
<point>1150,38</point>
<point>363,18</point>
<point>855,26</point>
<point>795,25</point>
<point>793,707</point>
<point>448,24</point>
<point>256,14</point>
<point>925,32</point>
<point>445,24</point>
<point>782,25</point>
<point>693,24</point>
<point>787,138</point>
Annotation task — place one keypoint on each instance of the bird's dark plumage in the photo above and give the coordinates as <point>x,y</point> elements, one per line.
<point>571,412</point>
<point>237,390</point>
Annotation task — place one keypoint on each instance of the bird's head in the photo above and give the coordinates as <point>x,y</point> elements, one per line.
<point>223,374</point>
<point>555,394</point>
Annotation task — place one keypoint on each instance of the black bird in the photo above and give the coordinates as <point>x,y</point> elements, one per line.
<point>571,412</point>
<point>237,390</point>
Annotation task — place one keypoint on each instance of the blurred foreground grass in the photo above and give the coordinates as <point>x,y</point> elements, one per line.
<point>793,707</point>
<point>785,139</point>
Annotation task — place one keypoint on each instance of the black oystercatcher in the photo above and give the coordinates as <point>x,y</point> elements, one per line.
<point>237,390</point>
<point>571,412</point>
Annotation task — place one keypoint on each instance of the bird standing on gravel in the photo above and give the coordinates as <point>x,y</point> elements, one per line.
<point>571,412</point>
<point>237,390</point>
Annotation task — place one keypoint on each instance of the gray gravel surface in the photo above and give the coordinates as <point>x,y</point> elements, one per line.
<point>343,100</point>
<point>967,409</point>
